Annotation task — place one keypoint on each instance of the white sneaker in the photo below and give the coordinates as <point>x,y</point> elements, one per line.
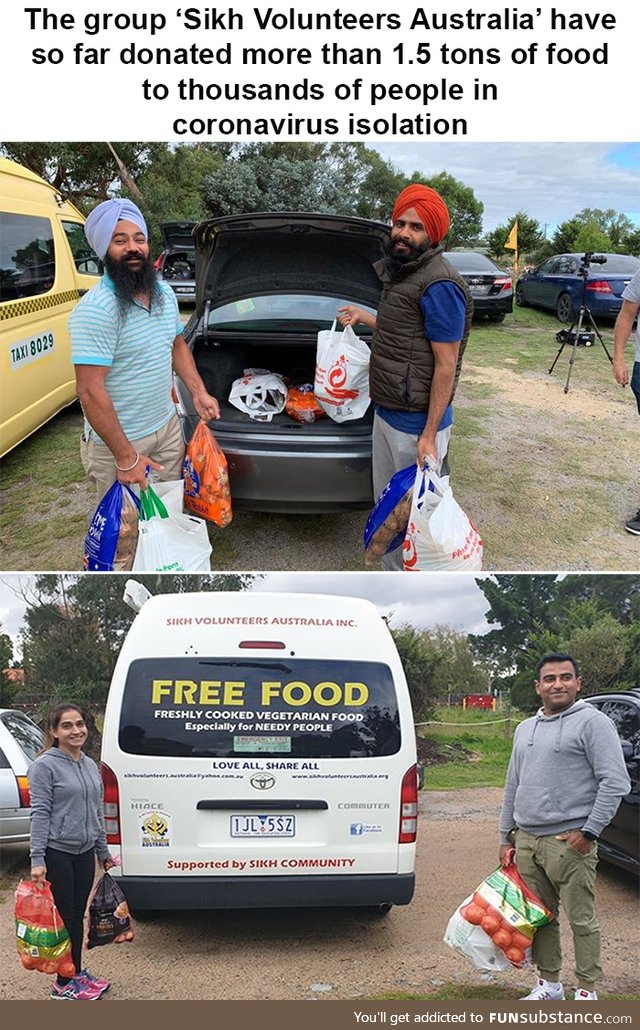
<point>545,990</point>
<point>582,995</point>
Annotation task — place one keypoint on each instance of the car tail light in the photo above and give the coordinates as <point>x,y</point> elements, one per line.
<point>409,807</point>
<point>504,283</point>
<point>111,804</point>
<point>23,791</point>
<point>157,264</point>
<point>599,286</point>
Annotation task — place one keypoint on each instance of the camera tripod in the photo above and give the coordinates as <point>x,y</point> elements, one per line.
<point>572,335</point>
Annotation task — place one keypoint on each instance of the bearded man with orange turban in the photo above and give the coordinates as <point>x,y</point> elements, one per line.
<point>420,333</point>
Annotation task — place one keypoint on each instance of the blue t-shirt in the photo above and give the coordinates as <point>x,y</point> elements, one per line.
<point>444,308</point>
<point>137,346</point>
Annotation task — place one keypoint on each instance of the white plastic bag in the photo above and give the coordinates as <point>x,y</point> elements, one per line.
<point>471,941</point>
<point>169,541</point>
<point>170,492</point>
<point>342,374</point>
<point>439,535</point>
<point>259,393</point>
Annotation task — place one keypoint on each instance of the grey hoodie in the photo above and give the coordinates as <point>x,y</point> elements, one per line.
<point>66,806</point>
<point>566,772</point>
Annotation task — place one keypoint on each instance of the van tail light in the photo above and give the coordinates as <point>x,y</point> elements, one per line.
<point>111,804</point>
<point>409,807</point>
<point>599,286</point>
<point>23,791</point>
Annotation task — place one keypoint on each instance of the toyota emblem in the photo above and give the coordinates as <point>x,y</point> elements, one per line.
<point>263,781</point>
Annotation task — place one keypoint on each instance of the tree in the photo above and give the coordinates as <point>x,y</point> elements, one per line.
<point>87,173</point>
<point>610,229</point>
<point>530,235</point>
<point>8,689</point>
<point>464,208</point>
<point>75,625</point>
<point>519,606</point>
<point>438,663</point>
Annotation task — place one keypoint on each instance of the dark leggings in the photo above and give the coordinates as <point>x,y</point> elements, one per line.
<point>71,879</point>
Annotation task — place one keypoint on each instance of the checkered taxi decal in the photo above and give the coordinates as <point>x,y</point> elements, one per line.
<point>15,308</point>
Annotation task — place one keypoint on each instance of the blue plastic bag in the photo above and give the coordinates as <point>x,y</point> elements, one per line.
<point>378,538</point>
<point>115,520</point>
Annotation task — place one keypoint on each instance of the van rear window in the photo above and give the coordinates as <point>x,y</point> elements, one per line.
<point>216,707</point>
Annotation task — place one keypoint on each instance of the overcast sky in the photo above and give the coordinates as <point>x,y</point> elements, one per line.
<point>549,181</point>
<point>447,599</point>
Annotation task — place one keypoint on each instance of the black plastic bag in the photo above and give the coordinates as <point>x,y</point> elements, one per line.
<point>109,919</point>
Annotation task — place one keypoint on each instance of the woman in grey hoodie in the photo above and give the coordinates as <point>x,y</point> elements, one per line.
<point>67,833</point>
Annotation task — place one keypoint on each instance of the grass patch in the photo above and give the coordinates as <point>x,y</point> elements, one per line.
<point>488,741</point>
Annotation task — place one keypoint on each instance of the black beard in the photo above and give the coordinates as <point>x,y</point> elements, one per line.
<point>397,261</point>
<point>131,282</point>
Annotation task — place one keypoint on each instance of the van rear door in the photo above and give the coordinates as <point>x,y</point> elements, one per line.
<point>277,765</point>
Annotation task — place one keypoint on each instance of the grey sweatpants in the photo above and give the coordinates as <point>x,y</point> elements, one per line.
<point>392,451</point>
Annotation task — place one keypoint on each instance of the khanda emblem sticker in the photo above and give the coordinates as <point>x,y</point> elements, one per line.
<point>154,828</point>
<point>336,378</point>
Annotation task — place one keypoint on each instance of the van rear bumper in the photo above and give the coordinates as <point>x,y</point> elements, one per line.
<point>206,892</point>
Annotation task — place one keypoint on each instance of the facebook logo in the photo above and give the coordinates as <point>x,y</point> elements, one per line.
<point>357,829</point>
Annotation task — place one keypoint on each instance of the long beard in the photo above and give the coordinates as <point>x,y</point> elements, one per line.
<point>131,282</point>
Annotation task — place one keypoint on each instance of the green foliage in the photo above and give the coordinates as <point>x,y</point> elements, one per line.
<point>438,663</point>
<point>530,236</point>
<point>75,625</point>
<point>8,690</point>
<point>593,618</point>
<point>595,229</point>
<point>486,741</point>
<point>464,208</point>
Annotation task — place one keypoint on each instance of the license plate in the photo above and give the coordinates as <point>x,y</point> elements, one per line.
<point>263,825</point>
<point>479,290</point>
<point>183,289</point>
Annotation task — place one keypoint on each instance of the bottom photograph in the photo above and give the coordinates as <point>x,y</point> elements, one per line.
<point>286,787</point>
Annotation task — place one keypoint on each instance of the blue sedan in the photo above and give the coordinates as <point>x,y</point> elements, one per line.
<point>557,284</point>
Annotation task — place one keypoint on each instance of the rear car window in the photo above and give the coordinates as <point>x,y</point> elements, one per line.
<point>220,708</point>
<point>281,312</point>
<point>26,734</point>
<point>27,256</point>
<point>617,264</point>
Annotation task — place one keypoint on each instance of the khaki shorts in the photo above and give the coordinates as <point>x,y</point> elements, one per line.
<point>166,446</point>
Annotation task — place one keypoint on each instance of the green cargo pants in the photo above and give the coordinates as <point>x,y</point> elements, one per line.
<point>560,875</point>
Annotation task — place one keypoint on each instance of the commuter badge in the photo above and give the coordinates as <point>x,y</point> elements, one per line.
<point>155,830</point>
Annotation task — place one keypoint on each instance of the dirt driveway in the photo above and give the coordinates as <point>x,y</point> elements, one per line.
<point>296,955</point>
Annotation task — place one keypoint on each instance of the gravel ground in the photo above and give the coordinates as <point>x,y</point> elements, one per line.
<point>340,954</point>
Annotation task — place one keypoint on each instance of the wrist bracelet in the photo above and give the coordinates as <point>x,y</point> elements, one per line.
<point>129,467</point>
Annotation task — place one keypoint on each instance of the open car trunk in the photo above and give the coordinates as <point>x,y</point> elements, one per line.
<point>224,357</point>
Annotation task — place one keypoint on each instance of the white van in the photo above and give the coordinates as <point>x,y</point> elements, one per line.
<point>259,751</point>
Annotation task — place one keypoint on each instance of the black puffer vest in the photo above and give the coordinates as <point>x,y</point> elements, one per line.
<point>402,360</point>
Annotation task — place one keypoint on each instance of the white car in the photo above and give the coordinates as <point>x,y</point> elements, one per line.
<point>20,742</point>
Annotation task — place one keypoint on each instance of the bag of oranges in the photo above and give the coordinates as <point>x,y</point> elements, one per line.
<point>206,480</point>
<point>41,936</point>
<point>494,927</point>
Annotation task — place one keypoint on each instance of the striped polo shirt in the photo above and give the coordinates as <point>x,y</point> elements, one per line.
<point>136,346</point>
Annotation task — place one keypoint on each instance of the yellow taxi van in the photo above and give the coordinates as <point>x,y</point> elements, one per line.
<point>45,267</point>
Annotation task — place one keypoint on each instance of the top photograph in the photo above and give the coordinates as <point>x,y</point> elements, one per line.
<point>319,356</point>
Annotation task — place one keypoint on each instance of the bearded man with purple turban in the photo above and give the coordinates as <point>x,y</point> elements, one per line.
<point>420,333</point>
<point>126,342</point>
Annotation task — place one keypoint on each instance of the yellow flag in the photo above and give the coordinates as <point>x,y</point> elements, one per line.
<point>512,242</point>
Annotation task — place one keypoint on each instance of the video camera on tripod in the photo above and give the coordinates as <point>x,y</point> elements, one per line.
<point>575,336</point>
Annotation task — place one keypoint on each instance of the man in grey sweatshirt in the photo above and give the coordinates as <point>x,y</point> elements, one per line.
<point>565,781</point>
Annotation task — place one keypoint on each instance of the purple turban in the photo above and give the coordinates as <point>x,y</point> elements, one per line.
<point>100,225</point>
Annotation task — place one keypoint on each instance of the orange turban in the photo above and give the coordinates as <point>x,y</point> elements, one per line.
<point>431,208</point>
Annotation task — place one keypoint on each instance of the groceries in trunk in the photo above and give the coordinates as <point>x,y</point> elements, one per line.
<point>260,394</point>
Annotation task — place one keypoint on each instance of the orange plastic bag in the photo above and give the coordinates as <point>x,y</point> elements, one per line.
<point>206,480</point>
<point>302,405</point>
<point>41,936</point>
